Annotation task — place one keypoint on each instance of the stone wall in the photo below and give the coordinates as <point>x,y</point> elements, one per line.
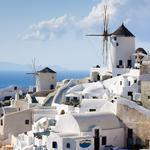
<point>136,120</point>
<point>145,93</point>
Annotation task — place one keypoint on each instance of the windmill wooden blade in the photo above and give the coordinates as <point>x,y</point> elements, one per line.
<point>33,64</point>
<point>106,50</point>
<point>105,40</point>
<point>98,35</point>
<point>33,73</point>
<point>105,18</point>
<point>103,53</point>
<point>105,33</point>
<point>94,35</point>
<point>29,73</point>
<point>107,22</point>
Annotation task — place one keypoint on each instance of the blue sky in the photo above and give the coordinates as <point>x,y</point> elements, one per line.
<point>54,31</point>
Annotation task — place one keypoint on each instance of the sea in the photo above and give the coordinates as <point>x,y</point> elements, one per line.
<point>24,80</point>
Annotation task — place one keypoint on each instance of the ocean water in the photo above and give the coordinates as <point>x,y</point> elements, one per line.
<point>24,80</point>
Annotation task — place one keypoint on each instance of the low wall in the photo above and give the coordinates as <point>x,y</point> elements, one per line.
<point>135,117</point>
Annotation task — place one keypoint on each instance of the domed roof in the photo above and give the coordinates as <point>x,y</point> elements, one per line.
<point>106,121</point>
<point>140,50</point>
<point>123,31</point>
<point>85,122</point>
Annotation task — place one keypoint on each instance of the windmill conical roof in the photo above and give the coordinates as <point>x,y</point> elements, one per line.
<point>46,70</point>
<point>123,31</point>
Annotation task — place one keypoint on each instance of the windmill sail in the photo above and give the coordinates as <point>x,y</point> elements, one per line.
<point>34,72</point>
<point>105,34</point>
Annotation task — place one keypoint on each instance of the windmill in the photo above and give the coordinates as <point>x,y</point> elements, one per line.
<point>105,33</point>
<point>34,72</point>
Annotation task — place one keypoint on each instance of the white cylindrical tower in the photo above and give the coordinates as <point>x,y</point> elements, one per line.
<point>122,46</point>
<point>45,80</point>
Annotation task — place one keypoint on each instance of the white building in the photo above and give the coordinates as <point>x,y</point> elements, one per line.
<point>97,105</point>
<point>86,131</point>
<point>99,74</point>
<point>125,85</point>
<point>88,91</point>
<point>45,80</point>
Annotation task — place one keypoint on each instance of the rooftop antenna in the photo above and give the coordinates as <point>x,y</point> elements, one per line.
<point>105,33</point>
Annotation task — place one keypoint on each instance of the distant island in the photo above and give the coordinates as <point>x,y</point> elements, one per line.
<point>9,66</point>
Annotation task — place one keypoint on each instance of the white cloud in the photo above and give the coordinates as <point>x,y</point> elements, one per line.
<point>127,20</point>
<point>46,30</point>
<point>38,35</point>
<point>53,24</point>
<point>96,15</point>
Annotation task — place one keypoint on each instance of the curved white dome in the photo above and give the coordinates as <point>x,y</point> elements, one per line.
<point>84,122</point>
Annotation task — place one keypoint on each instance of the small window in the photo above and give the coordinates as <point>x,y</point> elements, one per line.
<point>67,98</point>
<point>135,81</point>
<point>75,98</point>
<point>1,122</point>
<point>130,93</point>
<point>62,112</point>
<point>112,101</point>
<point>115,38</point>
<point>129,63</point>
<point>104,140</point>
<point>117,44</point>
<point>51,86</point>
<point>98,77</point>
<point>26,121</point>
<point>54,145</point>
<point>148,97</point>
<point>39,137</point>
<point>120,62</point>
<point>92,110</point>
<point>118,74</point>
<point>120,82</point>
<point>94,97</point>
<point>68,145</point>
<point>129,83</point>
